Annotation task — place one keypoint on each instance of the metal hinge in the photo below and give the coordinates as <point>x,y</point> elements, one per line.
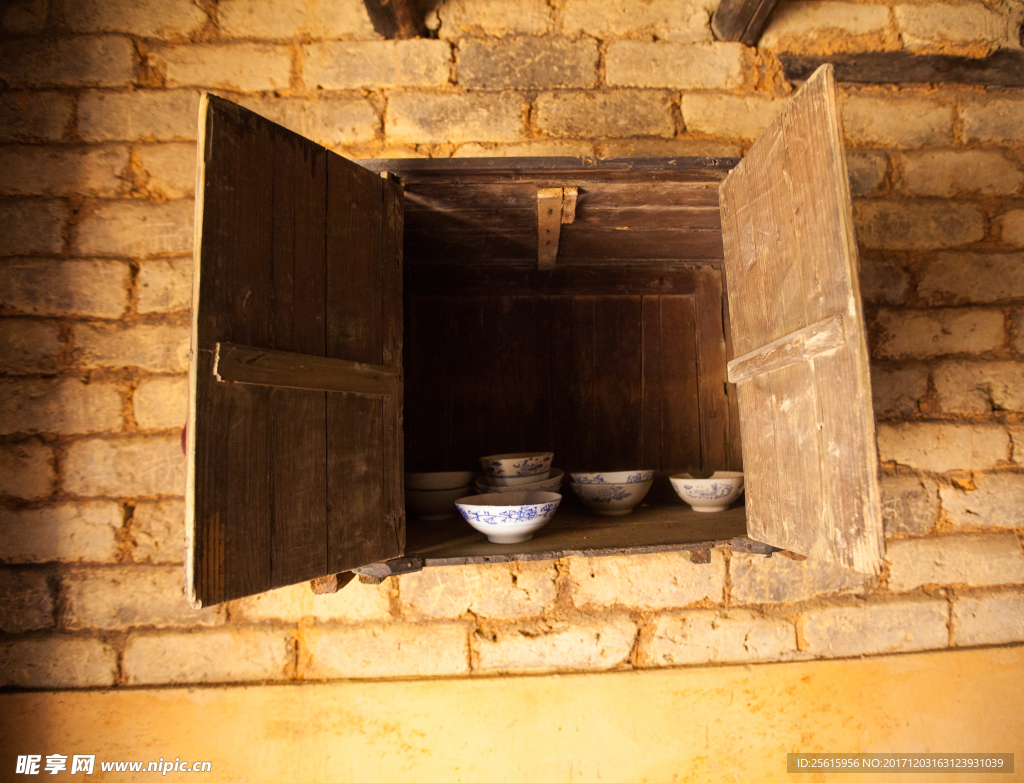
<point>375,573</point>
<point>751,547</point>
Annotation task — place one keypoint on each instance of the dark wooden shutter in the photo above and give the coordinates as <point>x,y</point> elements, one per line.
<point>294,432</point>
<point>798,334</point>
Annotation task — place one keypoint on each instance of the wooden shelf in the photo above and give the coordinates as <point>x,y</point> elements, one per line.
<point>574,531</point>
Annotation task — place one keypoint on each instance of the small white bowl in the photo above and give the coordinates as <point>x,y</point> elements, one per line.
<point>517,481</point>
<point>450,480</point>
<point>551,484</point>
<point>529,463</point>
<point>509,517</point>
<point>618,477</point>
<point>611,500</point>
<point>433,504</point>
<point>712,494</point>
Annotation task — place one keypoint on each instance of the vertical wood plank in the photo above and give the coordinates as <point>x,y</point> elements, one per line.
<point>572,339</point>
<point>618,382</point>
<point>392,272</point>
<point>714,405</point>
<point>428,376</point>
<point>682,413</point>
<point>471,350</point>
<point>651,398</point>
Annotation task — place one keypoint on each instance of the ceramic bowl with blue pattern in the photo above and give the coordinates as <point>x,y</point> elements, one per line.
<point>553,483</point>
<point>509,517</point>
<point>615,477</point>
<point>530,463</point>
<point>611,500</point>
<point>711,494</point>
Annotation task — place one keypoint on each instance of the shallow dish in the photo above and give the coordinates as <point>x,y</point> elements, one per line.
<point>618,477</point>
<point>433,504</point>
<point>517,481</point>
<point>712,494</point>
<point>611,500</point>
<point>528,463</point>
<point>509,517</point>
<point>448,480</point>
<point>551,484</point>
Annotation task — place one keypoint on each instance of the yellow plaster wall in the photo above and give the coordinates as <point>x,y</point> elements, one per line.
<point>723,724</point>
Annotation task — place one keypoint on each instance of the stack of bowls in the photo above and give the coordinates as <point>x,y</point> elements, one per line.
<point>612,494</point>
<point>432,496</point>
<point>530,471</point>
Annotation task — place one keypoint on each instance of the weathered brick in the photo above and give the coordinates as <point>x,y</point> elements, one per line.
<point>32,226</point>
<point>994,119</point>
<point>146,18</point>
<point>1017,441</point>
<point>1018,326</point>
<point>867,169</point>
<point>63,406</point>
<point>493,17</point>
<point>425,118</point>
<point>97,289</point>
<point>897,391</point>
<point>539,148</point>
<point>972,278</point>
<point>806,27</point>
<point>995,501</point>
<point>131,596</point>
<point>164,285</point>
<point>1012,227</point>
<point>157,532</point>
<point>28,346</point>
<point>219,655</point>
<point>168,170</point>
<point>910,505</point>
<point>146,115</point>
<point>586,644</point>
<point>609,114</point>
<point>973,560</point>
<point>154,347</point>
<point>161,403</point>
<point>347,65</point>
<point>655,581</point>
<point>24,16</point>
<point>329,120</point>
<point>961,28</point>
<point>498,591</point>
<point>988,618</point>
<point>384,651</point>
<point>939,447</point>
<point>960,172</point>
<point>894,626</point>
<point>896,120</point>
<point>98,61</point>
<point>903,225</point>
<point>883,280</point>
<point>354,603</point>
<point>669,148</point>
<point>760,580</point>
<point>26,471</point>
<point>704,636</point>
<point>717,66</point>
<point>925,333</point>
<point>65,533</point>
<point>525,62</point>
<point>286,19</point>
<point>57,662</point>
<point>135,466</point>
<point>34,116</point>
<point>980,387</point>
<point>666,20</point>
<point>730,116</point>
<point>137,228</point>
<point>243,67</point>
<point>25,601</point>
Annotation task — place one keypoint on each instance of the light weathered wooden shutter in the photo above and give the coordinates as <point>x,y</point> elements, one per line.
<point>294,430</point>
<point>801,363</point>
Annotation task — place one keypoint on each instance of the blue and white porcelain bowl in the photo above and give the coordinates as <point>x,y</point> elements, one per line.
<point>553,483</point>
<point>611,500</point>
<point>617,477</point>
<point>509,517</point>
<point>712,494</point>
<point>530,463</point>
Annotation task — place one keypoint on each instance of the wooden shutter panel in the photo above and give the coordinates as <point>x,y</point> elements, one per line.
<point>294,433</point>
<point>798,334</point>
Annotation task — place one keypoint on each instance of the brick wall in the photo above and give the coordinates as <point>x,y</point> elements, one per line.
<point>97,128</point>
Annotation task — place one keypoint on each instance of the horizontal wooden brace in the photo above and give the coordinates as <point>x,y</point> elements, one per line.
<point>800,346</point>
<point>264,367</point>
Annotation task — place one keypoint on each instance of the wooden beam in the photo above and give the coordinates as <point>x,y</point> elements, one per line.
<point>549,226</point>
<point>800,346</point>
<point>263,367</point>
<point>1004,68</point>
<point>400,18</point>
<point>742,20</point>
